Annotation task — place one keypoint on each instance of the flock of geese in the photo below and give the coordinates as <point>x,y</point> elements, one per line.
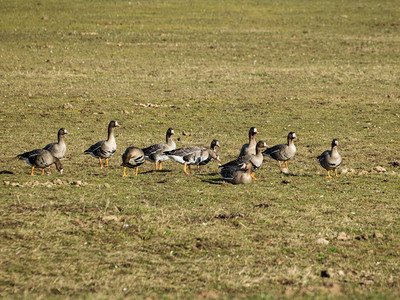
<point>238,171</point>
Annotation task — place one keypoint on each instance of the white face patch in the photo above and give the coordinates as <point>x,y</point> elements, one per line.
<point>294,135</point>
<point>172,131</point>
<point>255,130</point>
<point>116,123</point>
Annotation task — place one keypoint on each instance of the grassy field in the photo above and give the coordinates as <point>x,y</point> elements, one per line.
<point>211,69</point>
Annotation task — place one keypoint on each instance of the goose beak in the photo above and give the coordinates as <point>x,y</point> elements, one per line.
<point>66,132</point>
<point>61,171</point>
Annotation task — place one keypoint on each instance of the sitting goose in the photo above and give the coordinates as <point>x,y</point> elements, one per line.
<point>40,158</point>
<point>282,152</point>
<point>132,157</point>
<point>256,160</point>
<point>60,148</point>
<point>331,159</point>
<point>155,153</point>
<point>193,155</point>
<point>105,149</point>
<point>250,148</point>
<point>240,174</point>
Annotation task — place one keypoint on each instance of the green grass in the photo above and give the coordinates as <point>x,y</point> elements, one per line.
<point>324,69</point>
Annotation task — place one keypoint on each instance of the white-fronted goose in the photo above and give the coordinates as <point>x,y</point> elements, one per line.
<point>60,148</point>
<point>133,157</point>
<point>256,160</point>
<point>250,147</point>
<point>331,159</point>
<point>105,149</point>
<point>193,155</point>
<point>155,153</point>
<point>282,152</point>
<point>40,158</point>
<point>214,143</point>
<point>240,174</point>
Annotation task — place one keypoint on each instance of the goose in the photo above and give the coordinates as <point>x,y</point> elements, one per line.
<point>282,152</point>
<point>240,174</point>
<point>193,155</point>
<point>40,158</point>
<point>60,148</point>
<point>214,143</point>
<point>133,157</point>
<point>256,160</point>
<point>155,153</point>
<point>331,159</point>
<point>250,147</point>
<point>105,149</point>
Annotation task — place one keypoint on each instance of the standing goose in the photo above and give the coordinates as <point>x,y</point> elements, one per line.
<point>192,155</point>
<point>331,159</point>
<point>250,148</point>
<point>133,157</point>
<point>155,153</point>
<point>105,149</point>
<point>240,174</point>
<point>256,160</point>
<point>60,148</point>
<point>282,152</point>
<point>214,143</point>
<point>40,158</point>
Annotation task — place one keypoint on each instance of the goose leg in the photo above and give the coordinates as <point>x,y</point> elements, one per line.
<point>286,165</point>
<point>42,171</point>
<point>156,166</point>
<point>125,173</point>
<point>198,167</point>
<point>253,176</point>
<point>280,167</point>
<point>190,171</point>
<point>32,171</point>
<point>137,169</point>
<point>159,165</point>
<point>106,162</point>
<point>329,175</point>
<point>101,163</point>
<point>336,175</point>
<point>184,168</point>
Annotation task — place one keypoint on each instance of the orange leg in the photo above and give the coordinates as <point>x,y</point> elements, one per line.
<point>198,167</point>
<point>159,165</point>
<point>336,175</point>
<point>42,171</point>
<point>32,172</point>
<point>329,175</point>
<point>252,176</point>
<point>286,165</point>
<point>125,173</point>
<point>101,163</point>
<point>280,167</point>
<point>190,170</point>
<point>184,169</point>
<point>156,166</point>
<point>106,162</point>
<point>137,169</point>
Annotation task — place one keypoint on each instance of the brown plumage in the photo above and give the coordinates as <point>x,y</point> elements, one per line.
<point>105,149</point>
<point>282,152</point>
<point>240,174</point>
<point>133,157</point>
<point>250,147</point>
<point>60,148</point>
<point>331,159</point>
<point>40,158</point>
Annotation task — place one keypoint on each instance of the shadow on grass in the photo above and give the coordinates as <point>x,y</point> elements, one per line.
<point>218,181</point>
<point>6,172</point>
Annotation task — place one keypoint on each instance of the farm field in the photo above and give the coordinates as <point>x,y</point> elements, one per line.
<point>210,70</point>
